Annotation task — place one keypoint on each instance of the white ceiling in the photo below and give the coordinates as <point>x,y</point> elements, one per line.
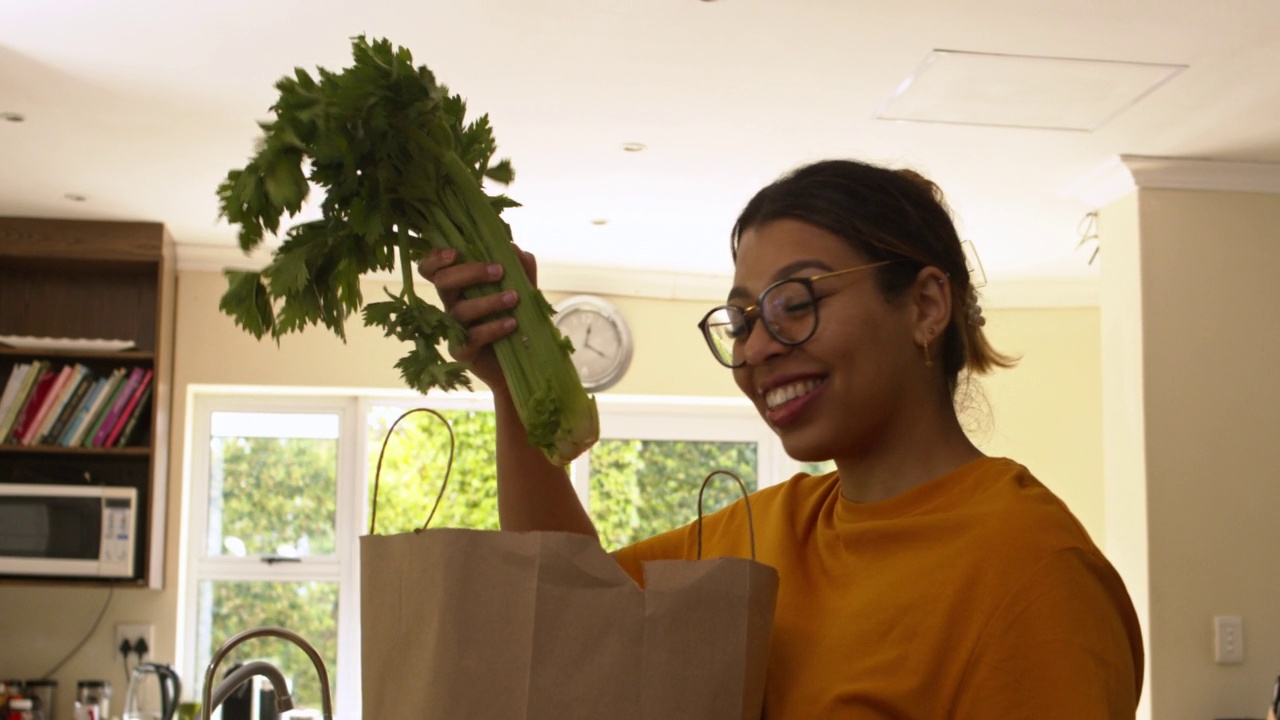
<point>142,106</point>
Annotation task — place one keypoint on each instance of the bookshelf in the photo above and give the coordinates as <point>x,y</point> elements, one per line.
<point>93,280</point>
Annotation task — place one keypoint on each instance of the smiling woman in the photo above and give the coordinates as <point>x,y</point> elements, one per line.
<point>921,578</point>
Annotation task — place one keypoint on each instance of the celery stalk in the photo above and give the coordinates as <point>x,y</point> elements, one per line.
<point>402,173</point>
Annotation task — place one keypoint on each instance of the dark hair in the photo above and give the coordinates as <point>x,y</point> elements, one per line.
<point>884,214</point>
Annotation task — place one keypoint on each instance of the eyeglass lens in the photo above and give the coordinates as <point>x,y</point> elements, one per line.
<point>788,313</point>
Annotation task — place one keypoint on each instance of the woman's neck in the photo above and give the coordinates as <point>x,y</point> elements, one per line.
<point>918,450</point>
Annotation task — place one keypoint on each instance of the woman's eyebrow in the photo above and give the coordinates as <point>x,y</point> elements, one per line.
<point>786,271</point>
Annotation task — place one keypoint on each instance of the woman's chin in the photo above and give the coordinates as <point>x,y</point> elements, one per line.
<point>805,451</point>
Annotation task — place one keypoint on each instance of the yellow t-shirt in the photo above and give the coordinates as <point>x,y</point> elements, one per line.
<point>974,595</point>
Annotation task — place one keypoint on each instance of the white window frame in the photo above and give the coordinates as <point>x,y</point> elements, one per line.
<point>199,567</point>
<point>698,420</point>
<point>621,417</point>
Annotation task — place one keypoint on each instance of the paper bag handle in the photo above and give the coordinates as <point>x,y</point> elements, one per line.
<point>377,473</point>
<point>751,525</point>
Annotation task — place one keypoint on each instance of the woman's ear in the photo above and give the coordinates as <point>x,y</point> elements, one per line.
<point>931,304</point>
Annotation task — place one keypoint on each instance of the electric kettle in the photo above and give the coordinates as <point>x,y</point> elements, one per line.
<point>154,693</point>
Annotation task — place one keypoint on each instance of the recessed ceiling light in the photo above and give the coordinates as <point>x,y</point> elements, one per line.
<point>600,221</point>
<point>75,197</point>
<point>633,147</point>
<point>12,116</point>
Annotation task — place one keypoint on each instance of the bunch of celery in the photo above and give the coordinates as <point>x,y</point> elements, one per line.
<point>402,173</point>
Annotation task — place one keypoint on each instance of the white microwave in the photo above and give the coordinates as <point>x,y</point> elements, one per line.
<point>71,531</point>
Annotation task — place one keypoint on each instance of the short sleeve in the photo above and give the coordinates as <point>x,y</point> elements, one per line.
<point>1065,644</point>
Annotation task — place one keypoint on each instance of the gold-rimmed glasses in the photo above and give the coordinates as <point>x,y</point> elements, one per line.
<point>789,308</point>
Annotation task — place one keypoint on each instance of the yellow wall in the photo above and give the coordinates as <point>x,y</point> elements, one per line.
<point>1046,413</point>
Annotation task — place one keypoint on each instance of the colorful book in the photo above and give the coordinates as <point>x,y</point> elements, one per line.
<point>126,435</point>
<point>83,380</point>
<point>17,376</point>
<point>29,409</point>
<point>95,412</point>
<point>128,410</point>
<point>46,403</point>
<point>82,412</point>
<point>74,374</point>
<point>117,406</point>
<point>96,424</point>
<point>10,421</point>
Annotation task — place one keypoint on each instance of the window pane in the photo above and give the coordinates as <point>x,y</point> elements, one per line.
<point>307,608</point>
<point>640,488</point>
<point>414,466</point>
<point>273,484</point>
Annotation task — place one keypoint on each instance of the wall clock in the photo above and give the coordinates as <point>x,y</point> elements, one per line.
<point>601,339</point>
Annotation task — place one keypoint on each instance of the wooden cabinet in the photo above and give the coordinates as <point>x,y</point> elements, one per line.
<point>101,280</point>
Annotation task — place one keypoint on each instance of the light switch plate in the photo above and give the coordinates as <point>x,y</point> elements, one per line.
<point>1228,639</point>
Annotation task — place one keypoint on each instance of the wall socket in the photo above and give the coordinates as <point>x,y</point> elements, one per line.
<point>132,632</point>
<point>1228,639</point>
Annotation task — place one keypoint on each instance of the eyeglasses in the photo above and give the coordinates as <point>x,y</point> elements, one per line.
<point>790,311</point>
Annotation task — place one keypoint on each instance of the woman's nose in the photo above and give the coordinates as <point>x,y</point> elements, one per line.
<point>761,345</point>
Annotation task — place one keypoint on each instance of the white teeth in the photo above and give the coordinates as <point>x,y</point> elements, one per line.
<point>791,391</point>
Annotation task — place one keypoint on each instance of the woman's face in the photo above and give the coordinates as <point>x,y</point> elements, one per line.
<point>834,395</point>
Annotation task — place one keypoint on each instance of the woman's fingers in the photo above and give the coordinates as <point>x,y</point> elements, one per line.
<point>434,260</point>
<point>471,310</point>
<point>450,280</point>
<point>485,333</point>
<point>437,267</point>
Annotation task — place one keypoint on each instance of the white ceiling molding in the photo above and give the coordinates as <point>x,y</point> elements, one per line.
<point>664,285</point>
<point>552,278</point>
<point>1219,175</point>
<point>1121,175</point>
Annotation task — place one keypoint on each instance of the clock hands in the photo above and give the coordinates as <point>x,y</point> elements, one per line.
<point>586,343</point>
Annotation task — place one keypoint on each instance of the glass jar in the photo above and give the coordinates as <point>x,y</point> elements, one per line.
<point>95,694</point>
<point>20,709</point>
<point>41,693</point>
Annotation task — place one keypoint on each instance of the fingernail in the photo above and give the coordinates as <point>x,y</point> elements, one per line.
<point>509,323</point>
<point>495,271</point>
<point>509,298</point>
<point>447,254</point>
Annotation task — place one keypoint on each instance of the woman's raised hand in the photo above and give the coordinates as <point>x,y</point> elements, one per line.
<point>483,316</point>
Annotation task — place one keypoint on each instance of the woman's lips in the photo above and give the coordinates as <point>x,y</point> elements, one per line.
<point>785,403</point>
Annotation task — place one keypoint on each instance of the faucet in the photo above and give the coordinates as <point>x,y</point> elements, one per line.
<point>214,697</point>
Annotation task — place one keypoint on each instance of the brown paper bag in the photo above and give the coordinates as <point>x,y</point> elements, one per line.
<point>461,624</point>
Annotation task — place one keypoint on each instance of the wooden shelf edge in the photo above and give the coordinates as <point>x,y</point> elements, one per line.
<point>62,450</point>
<point>126,355</point>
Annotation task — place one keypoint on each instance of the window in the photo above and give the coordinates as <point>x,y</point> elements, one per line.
<point>270,532</point>
<point>644,475</point>
<point>281,488</point>
<point>415,461</point>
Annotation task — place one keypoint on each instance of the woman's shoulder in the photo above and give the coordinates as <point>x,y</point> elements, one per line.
<point>1017,506</point>
<point>801,494</point>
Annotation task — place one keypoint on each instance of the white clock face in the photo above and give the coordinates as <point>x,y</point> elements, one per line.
<point>599,351</point>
